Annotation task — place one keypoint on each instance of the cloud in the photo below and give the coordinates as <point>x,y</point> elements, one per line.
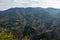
<point>5,4</point>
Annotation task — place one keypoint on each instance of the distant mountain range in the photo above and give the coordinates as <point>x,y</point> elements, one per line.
<point>52,11</point>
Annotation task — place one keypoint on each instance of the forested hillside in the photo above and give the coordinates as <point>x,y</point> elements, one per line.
<point>29,23</point>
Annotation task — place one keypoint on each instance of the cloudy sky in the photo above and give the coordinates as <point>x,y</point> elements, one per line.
<point>5,4</point>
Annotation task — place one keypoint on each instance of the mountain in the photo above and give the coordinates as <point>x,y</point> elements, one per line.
<point>22,11</point>
<point>35,16</point>
<point>28,21</point>
<point>31,15</point>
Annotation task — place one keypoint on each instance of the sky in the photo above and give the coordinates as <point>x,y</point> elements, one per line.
<point>6,4</point>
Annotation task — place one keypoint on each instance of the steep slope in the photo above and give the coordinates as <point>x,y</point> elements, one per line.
<point>52,11</point>
<point>18,17</point>
<point>28,20</point>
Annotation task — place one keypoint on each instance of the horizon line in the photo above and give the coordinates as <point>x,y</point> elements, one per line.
<point>29,7</point>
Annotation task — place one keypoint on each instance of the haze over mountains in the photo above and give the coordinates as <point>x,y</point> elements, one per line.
<point>41,19</point>
<point>30,14</point>
<point>53,11</point>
